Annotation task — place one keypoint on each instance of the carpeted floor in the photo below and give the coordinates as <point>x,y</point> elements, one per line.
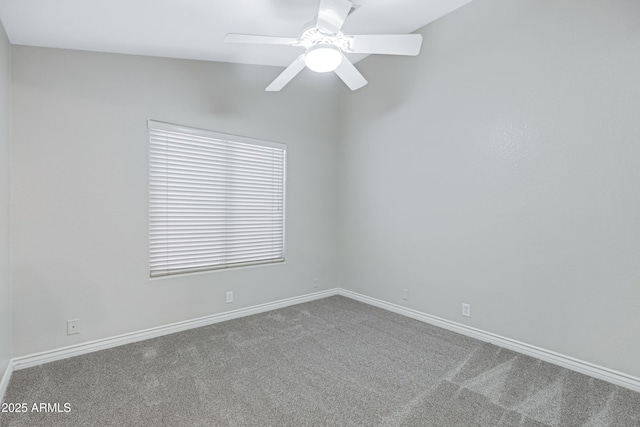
<point>329,362</point>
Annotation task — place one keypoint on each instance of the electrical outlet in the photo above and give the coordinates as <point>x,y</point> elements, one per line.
<point>405,294</point>
<point>229,297</point>
<point>73,326</point>
<point>466,310</point>
<point>315,282</point>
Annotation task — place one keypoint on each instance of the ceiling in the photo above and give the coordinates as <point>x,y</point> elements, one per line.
<point>195,29</point>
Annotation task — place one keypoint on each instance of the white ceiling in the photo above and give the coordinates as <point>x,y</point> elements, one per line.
<point>195,29</point>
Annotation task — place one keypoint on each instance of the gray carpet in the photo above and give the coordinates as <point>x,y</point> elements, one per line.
<point>329,362</point>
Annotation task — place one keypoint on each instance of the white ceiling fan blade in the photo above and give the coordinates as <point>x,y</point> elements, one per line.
<point>350,75</point>
<point>386,44</point>
<point>252,39</point>
<point>287,75</point>
<point>332,15</point>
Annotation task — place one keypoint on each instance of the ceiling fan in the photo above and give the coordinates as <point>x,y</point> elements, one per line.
<point>326,44</point>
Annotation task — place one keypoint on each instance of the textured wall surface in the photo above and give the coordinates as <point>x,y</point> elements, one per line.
<point>500,168</point>
<point>5,275</point>
<point>80,173</point>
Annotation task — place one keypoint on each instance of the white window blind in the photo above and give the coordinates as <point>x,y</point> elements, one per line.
<point>216,201</point>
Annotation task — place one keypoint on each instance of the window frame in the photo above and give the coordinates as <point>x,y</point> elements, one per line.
<point>153,125</point>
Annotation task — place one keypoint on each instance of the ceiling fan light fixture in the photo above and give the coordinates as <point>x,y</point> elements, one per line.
<point>323,58</point>
<point>326,44</point>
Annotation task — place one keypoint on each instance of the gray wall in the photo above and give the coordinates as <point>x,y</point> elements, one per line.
<point>79,182</point>
<point>501,168</point>
<point>5,134</point>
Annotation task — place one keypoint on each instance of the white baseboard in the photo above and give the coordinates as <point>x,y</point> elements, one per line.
<point>105,343</point>
<point>614,377</point>
<point>4,381</point>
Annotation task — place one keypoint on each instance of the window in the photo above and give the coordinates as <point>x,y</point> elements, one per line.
<point>216,200</point>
